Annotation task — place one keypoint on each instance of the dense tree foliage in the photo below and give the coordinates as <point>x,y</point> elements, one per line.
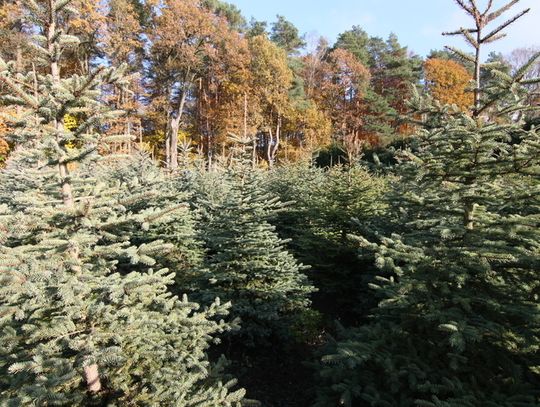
<point>245,260</point>
<point>457,323</point>
<point>197,210</point>
<point>87,316</point>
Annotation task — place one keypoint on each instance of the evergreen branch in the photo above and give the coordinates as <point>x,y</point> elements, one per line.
<point>87,124</point>
<point>518,108</point>
<point>504,25</point>
<point>500,75</point>
<point>523,70</point>
<point>460,31</point>
<point>22,84</point>
<point>492,65</point>
<point>80,331</point>
<point>33,7</point>
<point>60,201</point>
<point>89,81</point>
<point>76,158</point>
<point>39,39</point>
<point>532,81</point>
<point>461,54</point>
<point>18,91</point>
<point>495,38</point>
<point>470,39</point>
<point>79,157</point>
<point>41,50</point>
<point>492,16</point>
<point>60,5</point>
<point>165,212</point>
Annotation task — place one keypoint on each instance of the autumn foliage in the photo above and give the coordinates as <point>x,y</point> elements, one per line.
<point>4,150</point>
<point>449,82</point>
<point>199,74</point>
<point>4,131</point>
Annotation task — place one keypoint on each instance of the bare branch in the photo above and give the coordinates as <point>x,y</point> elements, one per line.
<point>473,5</point>
<point>504,25</point>
<point>489,5</point>
<point>468,9</point>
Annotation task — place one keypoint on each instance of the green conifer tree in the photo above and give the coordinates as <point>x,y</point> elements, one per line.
<point>394,73</point>
<point>84,317</point>
<point>246,262</point>
<point>145,186</point>
<point>356,41</point>
<point>459,322</point>
<point>286,36</point>
<point>319,222</point>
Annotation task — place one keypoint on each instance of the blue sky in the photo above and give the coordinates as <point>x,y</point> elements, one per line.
<point>418,23</point>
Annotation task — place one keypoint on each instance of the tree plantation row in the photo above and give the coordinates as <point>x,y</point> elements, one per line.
<point>198,212</point>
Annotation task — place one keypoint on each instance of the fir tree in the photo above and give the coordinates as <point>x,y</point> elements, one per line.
<point>317,226</point>
<point>85,317</point>
<point>246,262</point>
<point>145,187</point>
<point>459,323</point>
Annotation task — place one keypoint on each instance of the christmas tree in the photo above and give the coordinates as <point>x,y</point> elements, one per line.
<point>318,223</point>
<point>246,261</point>
<point>459,323</point>
<point>86,313</point>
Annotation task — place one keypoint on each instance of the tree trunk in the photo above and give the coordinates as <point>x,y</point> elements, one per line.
<point>19,68</point>
<point>254,152</point>
<point>168,142</point>
<point>175,121</point>
<point>275,147</point>
<point>477,66</point>
<point>91,375</point>
<point>174,128</point>
<point>67,193</point>
<point>269,142</point>
<point>173,139</point>
<point>91,372</point>
<point>469,216</point>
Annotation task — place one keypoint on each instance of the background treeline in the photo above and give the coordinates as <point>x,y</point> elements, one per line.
<point>200,72</point>
<point>154,253</point>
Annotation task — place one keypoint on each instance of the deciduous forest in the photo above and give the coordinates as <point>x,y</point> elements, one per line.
<point>198,210</point>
